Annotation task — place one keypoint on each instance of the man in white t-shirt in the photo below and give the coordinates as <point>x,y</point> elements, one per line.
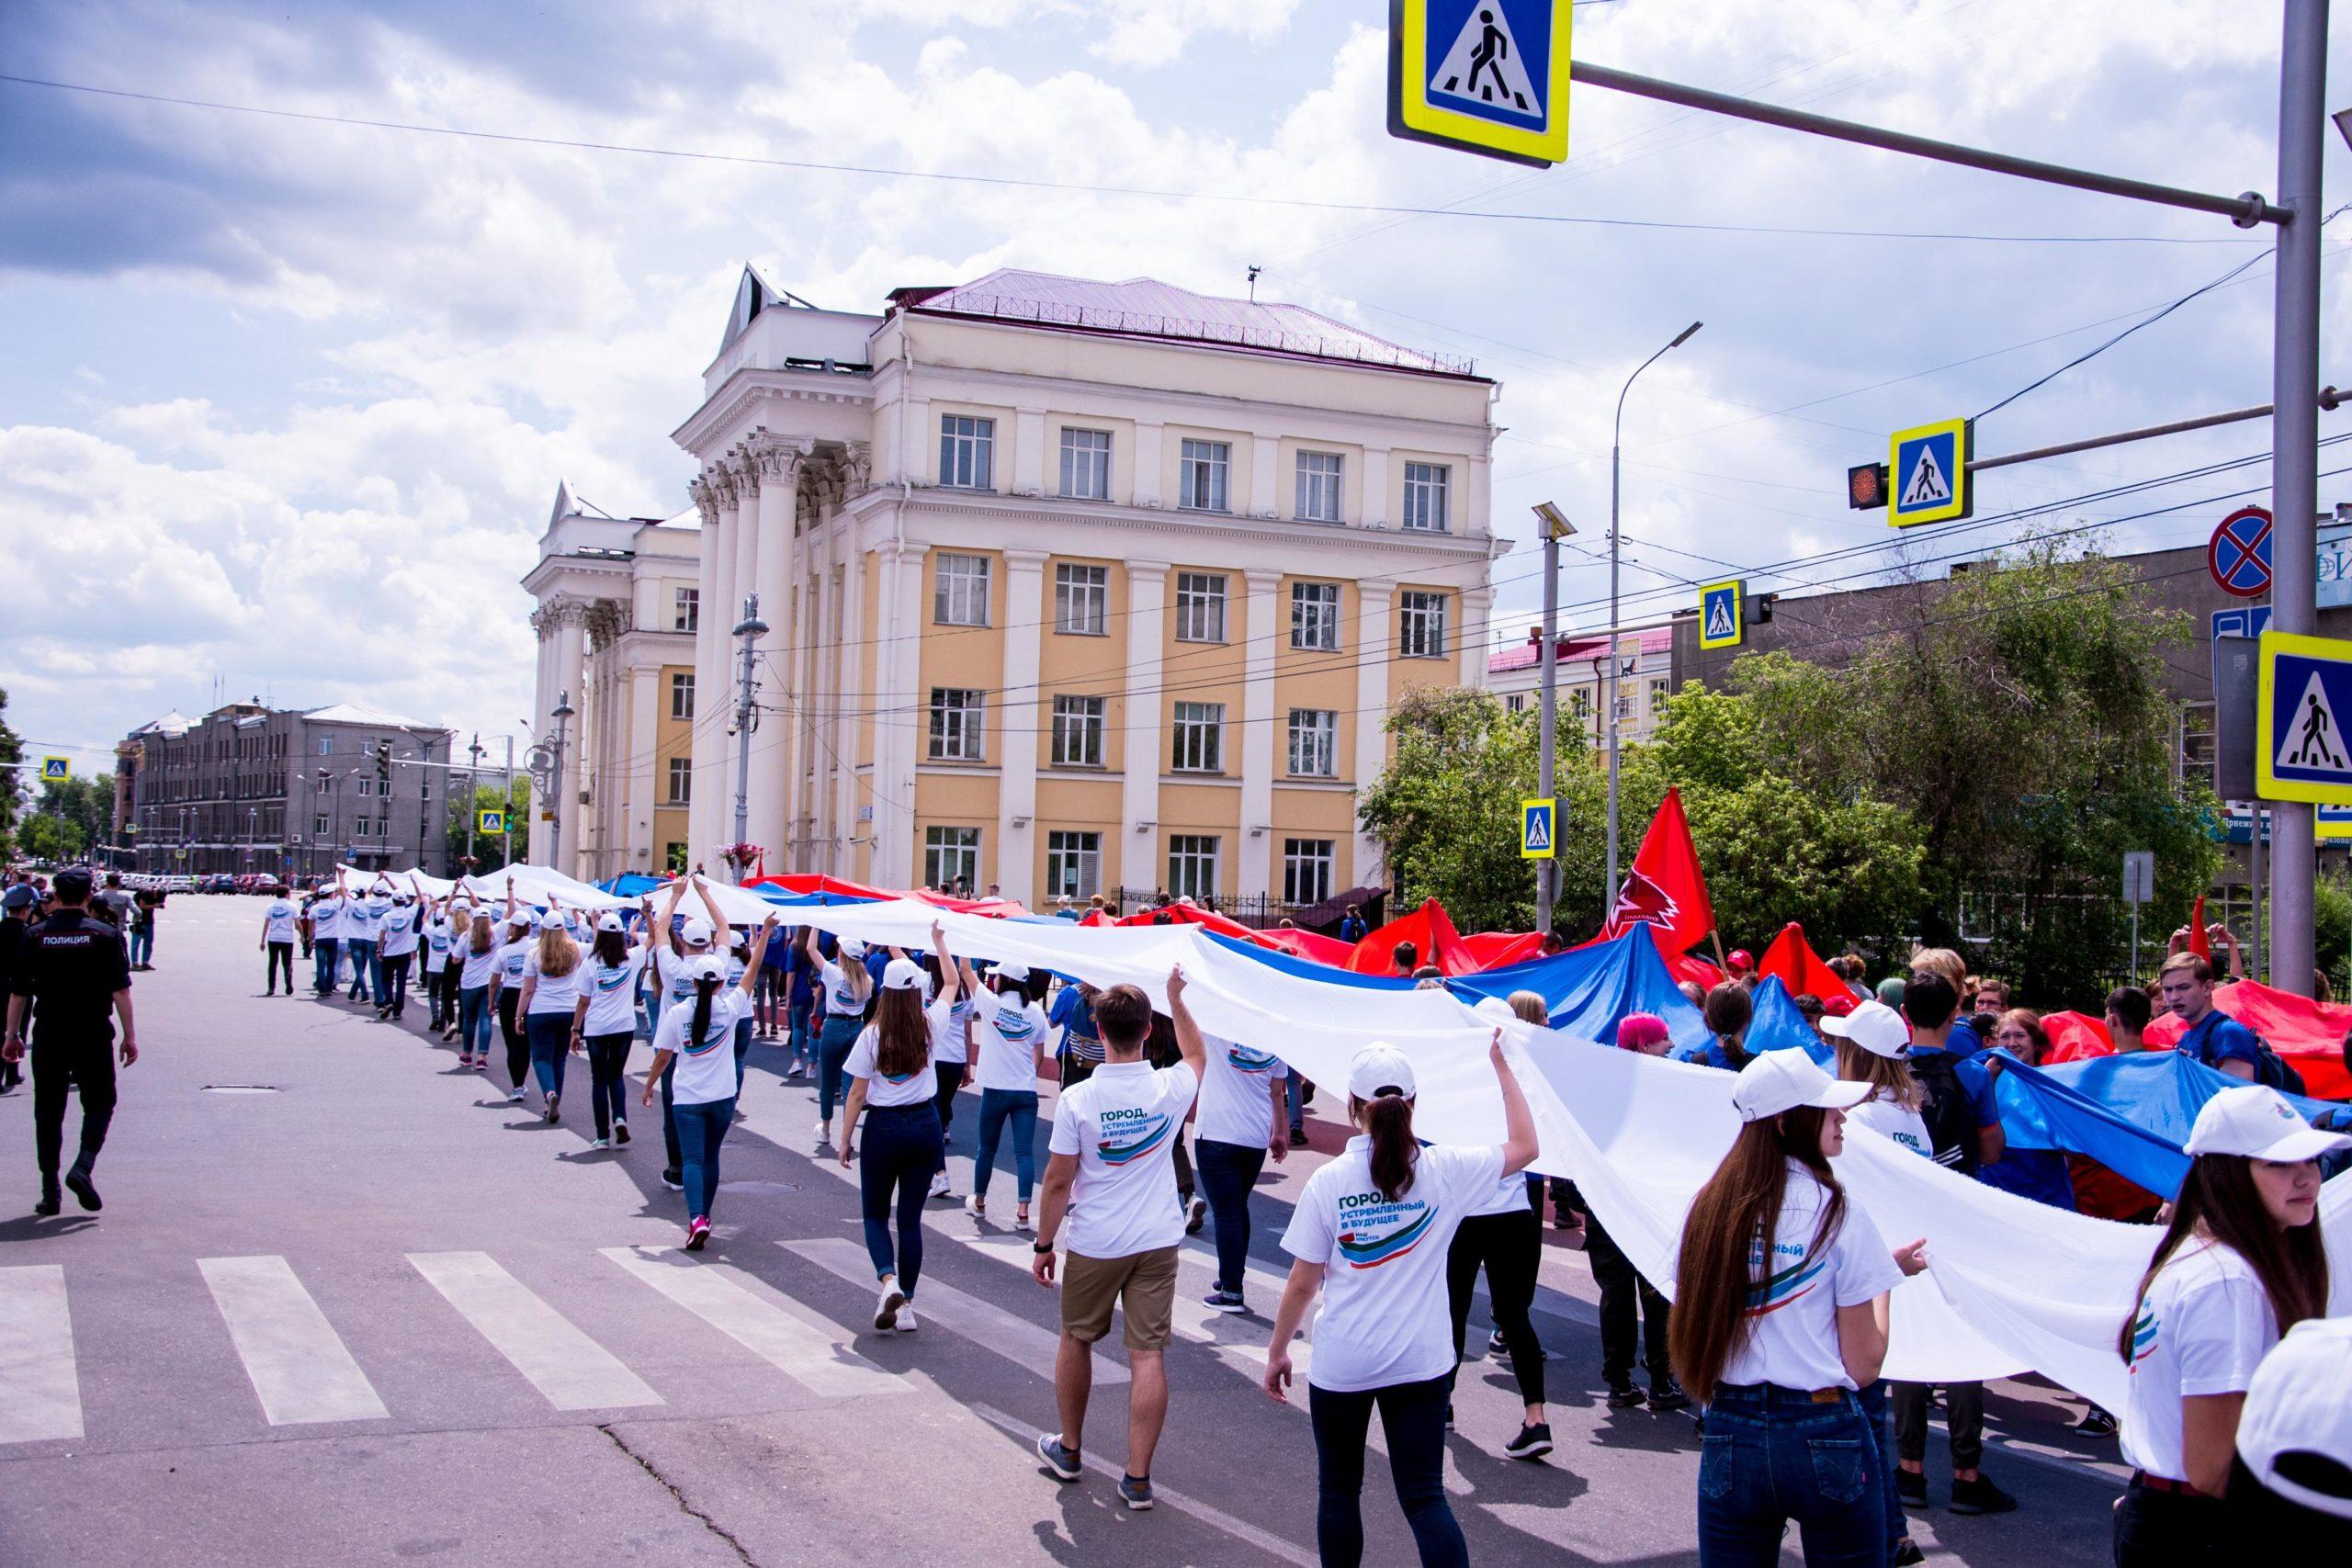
<point>326,937</point>
<point>278,924</point>
<point>1113,1176</point>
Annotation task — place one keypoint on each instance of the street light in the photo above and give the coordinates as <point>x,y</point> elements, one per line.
<point>1615,450</point>
<point>561,713</point>
<point>1555,527</point>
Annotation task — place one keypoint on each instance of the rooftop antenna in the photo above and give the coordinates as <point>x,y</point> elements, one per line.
<point>1254,271</point>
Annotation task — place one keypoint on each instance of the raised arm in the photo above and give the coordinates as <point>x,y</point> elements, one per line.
<point>951,981</point>
<point>1519,1123</point>
<point>719,921</point>
<point>759,954</point>
<point>1188,1043</point>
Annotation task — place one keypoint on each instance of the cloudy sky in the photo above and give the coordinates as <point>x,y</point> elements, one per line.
<point>285,401</point>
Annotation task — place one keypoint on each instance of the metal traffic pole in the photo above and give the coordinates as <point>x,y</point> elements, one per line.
<point>1555,527</point>
<point>506,817</point>
<point>563,711</point>
<point>750,628</point>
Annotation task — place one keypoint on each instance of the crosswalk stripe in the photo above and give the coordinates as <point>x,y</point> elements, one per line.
<point>573,1371</point>
<point>40,1396</point>
<point>811,1356</point>
<point>985,1324</point>
<point>298,1364</point>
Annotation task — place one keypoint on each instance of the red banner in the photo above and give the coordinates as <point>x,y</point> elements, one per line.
<point>1665,888</point>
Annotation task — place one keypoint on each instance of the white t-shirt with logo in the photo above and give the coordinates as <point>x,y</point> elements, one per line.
<point>1122,1124</point>
<point>327,920</point>
<point>840,1001</point>
<point>359,917</point>
<point>396,931</point>
<point>514,960</point>
<point>437,937</point>
<point>611,990</point>
<point>1384,1319</point>
<point>1236,1098</point>
<point>671,980</point>
<point>2203,1328</point>
<point>917,1088</point>
<point>1009,1035</point>
<point>1793,1299</point>
<point>953,1045</point>
<point>705,1069</point>
<point>1893,1120</point>
<point>552,993</point>
<point>279,921</point>
<point>474,968</point>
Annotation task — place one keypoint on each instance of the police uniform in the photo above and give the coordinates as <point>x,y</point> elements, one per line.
<point>71,966</point>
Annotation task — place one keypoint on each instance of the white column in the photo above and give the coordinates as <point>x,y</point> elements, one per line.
<point>645,774</point>
<point>1146,461</point>
<point>843,598</point>
<point>779,465</point>
<point>1017,723</point>
<point>1137,846</point>
<point>900,725</point>
<point>535,837</point>
<point>1475,603</point>
<point>1375,497</point>
<point>714,680</point>
<point>572,681</point>
<point>1265,477</point>
<point>1262,730</point>
<point>1029,452</point>
<point>1375,643</point>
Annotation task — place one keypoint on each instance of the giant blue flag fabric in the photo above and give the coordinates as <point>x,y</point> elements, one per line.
<point>1590,988</point>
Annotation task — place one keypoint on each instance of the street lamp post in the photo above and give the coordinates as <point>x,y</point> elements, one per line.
<point>1609,893</point>
<point>1555,527</point>
<point>561,714</point>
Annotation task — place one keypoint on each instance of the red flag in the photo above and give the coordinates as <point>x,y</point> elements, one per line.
<point>2196,942</point>
<point>1430,931</point>
<point>1800,968</point>
<point>1665,887</point>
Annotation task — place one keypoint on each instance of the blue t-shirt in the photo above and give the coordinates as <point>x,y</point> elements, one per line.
<point>2217,1038</point>
<point>1963,1042</point>
<point>1352,929</point>
<point>1975,1083</point>
<point>2338,1119</point>
<point>2038,1174</point>
<point>1712,1054</point>
<point>1076,1018</point>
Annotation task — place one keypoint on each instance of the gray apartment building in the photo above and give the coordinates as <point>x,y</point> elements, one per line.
<point>249,787</point>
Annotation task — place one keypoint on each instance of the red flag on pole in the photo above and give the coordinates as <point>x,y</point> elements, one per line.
<point>2198,944</point>
<point>1665,888</point>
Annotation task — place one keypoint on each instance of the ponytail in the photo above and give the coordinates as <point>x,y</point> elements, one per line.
<point>1388,1119</point>
<point>705,988</point>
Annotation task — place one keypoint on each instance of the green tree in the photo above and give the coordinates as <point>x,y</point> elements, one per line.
<point>515,799</point>
<point>1446,810</point>
<point>12,752</point>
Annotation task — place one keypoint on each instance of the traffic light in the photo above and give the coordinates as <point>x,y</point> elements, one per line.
<point>1759,609</point>
<point>1866,488</point>
<point>384,761</point>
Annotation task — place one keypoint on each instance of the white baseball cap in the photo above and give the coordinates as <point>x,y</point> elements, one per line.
<point>2299,1410</point>
<point>1874,1026</point>
<point>851,949</point>
<point>1495,1009</point>
<point>695,932</point>
<point>903,975</point>
<point>2258,1123</point>
<point>1012,971</point>
<point>1378,1067</point>
<point>709,966</point>
<point>1775,1081</point>
<point>552,920</point>
<point>521,918</point>
<point>609,921</point>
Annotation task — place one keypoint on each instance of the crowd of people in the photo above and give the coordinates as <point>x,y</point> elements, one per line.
<point>1778,1326</point>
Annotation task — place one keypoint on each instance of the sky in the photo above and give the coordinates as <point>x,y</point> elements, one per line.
<point>285,402</point>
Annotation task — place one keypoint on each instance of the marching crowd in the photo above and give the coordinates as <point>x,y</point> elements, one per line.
<point>2240,1386</point>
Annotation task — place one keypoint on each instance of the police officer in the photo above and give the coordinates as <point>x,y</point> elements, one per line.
<point>70,971</point>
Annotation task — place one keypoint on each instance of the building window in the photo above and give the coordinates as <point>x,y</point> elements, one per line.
<point>960,592</point>
<point>1086,464</point>
<point>326,745</point>
<point>682,696</point>
<point>325,782</point>
<point>1424,488</point>
<point>685,609</point>
<point>967,452</point>
<point>1423,632</point>
<point>673,855</point>
<point>383,827</point>
<point>1319,486</point>
<point>955,715</point>
<point>1203,468</point>
<point>1078,732</point>
<point>366,786</point>
<point>1581,703</point>
<point>358,828</point>
<point>1306,870</point>
<point>951,857</point>
<point>1200,738</point>
<point>682,780</point>
<point>1073,864</point>
<point>1659,691</point>
<point>1515,703</point>
<point>1192,866</point>
<point>1200,606</point>
<point>1314,615</point>
<point>1083,600</point>
<point>1315,743</point>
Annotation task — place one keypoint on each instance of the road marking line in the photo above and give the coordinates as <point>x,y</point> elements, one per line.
<point>564,1364</point>
<point>40,1396</point>
<point>1241,1530</point>
<point>811,1356</point>
<point>984,1323</point>
<point>298,1365</point>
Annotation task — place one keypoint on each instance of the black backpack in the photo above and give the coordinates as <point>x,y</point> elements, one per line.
<point>1951,1121</point>
<point>2273,1070</point>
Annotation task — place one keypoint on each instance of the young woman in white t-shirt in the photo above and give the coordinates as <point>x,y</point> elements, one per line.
<point>475,953</point>
<point>604,1019</point>
<point>514,942</point>
<point>693,1052</point>
<point>1008,1033</point>
<point>1371,1233</point>
<point>549,1005</point>
<point>844,987</point>
<point>2242,1261</point>
<point>890,1080</point>
<point>1779,1318</point>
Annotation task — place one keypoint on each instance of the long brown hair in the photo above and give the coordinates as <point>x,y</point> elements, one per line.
<point>2219,1200</point>
<point>902,1036</point>
<point>1732,1216</point>
<point>1889,1076</point>
<point>559,954</point>
<point>483,936</point>
<point>1388,1119</point>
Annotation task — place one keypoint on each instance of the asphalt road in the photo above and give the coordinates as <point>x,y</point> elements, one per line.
<point>346,1304</point>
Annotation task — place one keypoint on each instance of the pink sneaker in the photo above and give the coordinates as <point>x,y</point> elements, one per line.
<point>697,1233</point>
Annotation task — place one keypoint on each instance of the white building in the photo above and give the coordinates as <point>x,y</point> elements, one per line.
<point>1644,680</point>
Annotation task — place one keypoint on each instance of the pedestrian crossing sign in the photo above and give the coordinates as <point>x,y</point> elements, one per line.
<point>1722,613</point>
<point>494,821</point>
<point>1486,76</point>
<point>1927,479</point>
<point>56,770</point>
<point>2305,693</point>
<point>1536,820</point>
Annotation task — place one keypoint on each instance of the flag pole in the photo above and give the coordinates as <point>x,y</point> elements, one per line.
<point>1715,937</point>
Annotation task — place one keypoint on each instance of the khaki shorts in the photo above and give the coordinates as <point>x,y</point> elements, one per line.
<point>1143,1286</point>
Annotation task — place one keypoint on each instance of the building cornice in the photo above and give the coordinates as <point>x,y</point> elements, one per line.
<point>745,389</point>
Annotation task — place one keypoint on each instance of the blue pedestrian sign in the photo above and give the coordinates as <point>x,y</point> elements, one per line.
<point>1489,76</point>
<point>2301,750</point>
<point>494,821</point>
<point>1926,473</point>
<point>1536,820</point>
<point>56,770</point>
<point>2245,620</point>
<point>1722,621</point>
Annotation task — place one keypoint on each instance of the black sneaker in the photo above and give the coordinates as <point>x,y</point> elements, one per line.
<point>1980,1497</point>
<point>1225,1301</point>
<point>1497,1345</point>
<point>620,1131</point>
<point>1448,1417</point>
<point>1668,1396</point>
<point>1623,1397</point>
<point>52,1201</point>
<point>1910,1487</point>
<point>78,1183</point>
<point>1908,1553</point>
<point>1532,1442</point>
<point>1061,1463</point>
<point>674,1180</point>
<point>2095,1423</point>
<point>1297,1134</point>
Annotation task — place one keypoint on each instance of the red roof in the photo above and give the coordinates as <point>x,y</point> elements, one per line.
<point>1527,655</point>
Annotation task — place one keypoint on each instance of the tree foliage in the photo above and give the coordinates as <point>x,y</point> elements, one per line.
<point>515,799</point>
<point>1446,809</point>
<point>68,819</point>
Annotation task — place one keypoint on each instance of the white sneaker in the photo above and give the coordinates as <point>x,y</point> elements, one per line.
<point>972,1207</point>
<point>513,1095</point>
<point>887,1310</point>
<point>939,1185</point>
<point>906,1319</point>
<point>824,1131</point>
<point>600,1144</point>
<point>1020,1222</point>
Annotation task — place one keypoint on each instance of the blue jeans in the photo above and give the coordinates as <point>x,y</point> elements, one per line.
<point>473,1020</point>
<point>1293,1086</point>
<point>832,1051</point>
<point>1771,1455</point>
<point>742,1046</point>
<point>142,943</point>
<point>323,954</point>
<point>999,1106</point>
<point>895,1159</point>
<point>1881,1416</point>
<point>701,1129</point>
<point>362,953</point>
<point>799,1014</point>
<point>1228,1172</point>
<point>1412,1416</point>
<point>551,1034</point>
